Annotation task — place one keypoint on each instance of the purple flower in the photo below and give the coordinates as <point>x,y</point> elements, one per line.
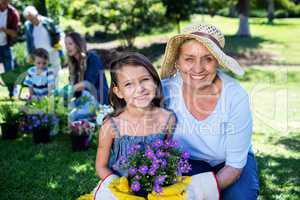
<point>155,165</point>
<point>138,177</point>
<point>185,155</point>
<point>157,188</point>
<point>122,160</point>
<point>157,143</point>
<point>155,160</point>
<point>133,149</point>
<point>143,169</point>
<point>149,153</point>
<point>167,143</point>
<point>160,153</point>
<point>39,112</point>
<point>132,170</point>
<point>45,119</point>
<point>175,144</point>
<point>160,180</point>
<point>184,166</point>
<point>153,169</point>
<point>163,163</point>
<point>135,186</point>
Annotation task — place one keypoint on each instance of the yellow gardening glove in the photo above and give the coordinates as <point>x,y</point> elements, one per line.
<point>120,188</point>
<point>57,46</point>
<point>86,197</point>
<point>172,192</point>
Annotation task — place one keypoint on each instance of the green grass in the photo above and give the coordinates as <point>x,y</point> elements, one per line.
<point>49,172</point>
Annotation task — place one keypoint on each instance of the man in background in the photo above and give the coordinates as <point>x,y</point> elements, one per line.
<point>41,32</point>
<point>9,25</point>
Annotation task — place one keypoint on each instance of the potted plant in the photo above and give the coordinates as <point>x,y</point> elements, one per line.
<point>153,167</point>
<point>81,134</point>
<point>40,124</point>
<point>10,118</point>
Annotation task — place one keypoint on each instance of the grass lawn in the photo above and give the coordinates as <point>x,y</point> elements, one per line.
<point>54,172</point>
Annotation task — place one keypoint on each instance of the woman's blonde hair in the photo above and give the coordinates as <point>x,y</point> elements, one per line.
<point>77,67</point>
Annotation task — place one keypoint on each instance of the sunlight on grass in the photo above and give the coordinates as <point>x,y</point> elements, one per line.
<point>77,168</point>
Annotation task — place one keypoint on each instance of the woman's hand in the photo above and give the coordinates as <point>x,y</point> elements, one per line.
<point>227,176</point>
<point>79,87</point>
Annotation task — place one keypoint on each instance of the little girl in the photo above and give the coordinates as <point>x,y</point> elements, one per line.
<point>136,96</point>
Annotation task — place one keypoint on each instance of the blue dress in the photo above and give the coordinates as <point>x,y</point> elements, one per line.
<point>122,143</point>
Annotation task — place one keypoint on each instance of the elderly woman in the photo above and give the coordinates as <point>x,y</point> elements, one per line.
<point>214,120</point>
<point>85,68</point>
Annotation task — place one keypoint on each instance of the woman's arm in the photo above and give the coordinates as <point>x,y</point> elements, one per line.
<point>238,140</point>
<point>103,151</point>
<point>227,176</point>
<point>30,92</point>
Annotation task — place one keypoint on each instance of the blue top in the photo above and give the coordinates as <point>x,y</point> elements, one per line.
<point>95,75</point>
<point>225,135</point>
<point>123,142</point>
<point>40,83</point>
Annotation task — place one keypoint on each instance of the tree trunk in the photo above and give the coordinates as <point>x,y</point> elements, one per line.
<point>178,26</point>
<point>41,7</point>
<point>270,11</point>
<point>243,8</point>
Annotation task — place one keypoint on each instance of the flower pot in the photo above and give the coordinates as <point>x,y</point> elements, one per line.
<point>80,142</point>
<point>41,136</point>
<point>141,193</point>
<point>9,131</point>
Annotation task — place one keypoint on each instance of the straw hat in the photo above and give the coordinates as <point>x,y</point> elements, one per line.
<point>208,35</point>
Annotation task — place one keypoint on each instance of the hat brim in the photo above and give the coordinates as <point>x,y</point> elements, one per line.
<point>171,53</point>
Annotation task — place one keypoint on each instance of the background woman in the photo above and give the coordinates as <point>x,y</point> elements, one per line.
<point>86,68</point>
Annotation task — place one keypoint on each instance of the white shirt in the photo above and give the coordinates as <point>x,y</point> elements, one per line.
<point>225,135</point>
<point>41,38</point>
<point>3,24</point>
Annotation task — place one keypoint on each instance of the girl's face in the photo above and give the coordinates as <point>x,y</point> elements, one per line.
<point>40,63</point>
<point>136,86</point>
<point>198,67</point>
<point>71,47</point>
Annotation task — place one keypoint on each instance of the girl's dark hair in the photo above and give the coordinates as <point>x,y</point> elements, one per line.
<point>133,59</point>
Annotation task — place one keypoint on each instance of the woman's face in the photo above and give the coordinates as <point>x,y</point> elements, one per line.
<point>198,67</point>
<point>71,47</point>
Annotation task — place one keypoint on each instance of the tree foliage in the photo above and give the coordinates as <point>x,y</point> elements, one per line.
<point>125,18</point>
<point>179,10</point>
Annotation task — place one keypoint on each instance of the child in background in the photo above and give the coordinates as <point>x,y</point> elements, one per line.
<point>40,79</point>
<point>136,96</point>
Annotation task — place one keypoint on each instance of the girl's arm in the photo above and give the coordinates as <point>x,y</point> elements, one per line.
<point>106,137</point>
